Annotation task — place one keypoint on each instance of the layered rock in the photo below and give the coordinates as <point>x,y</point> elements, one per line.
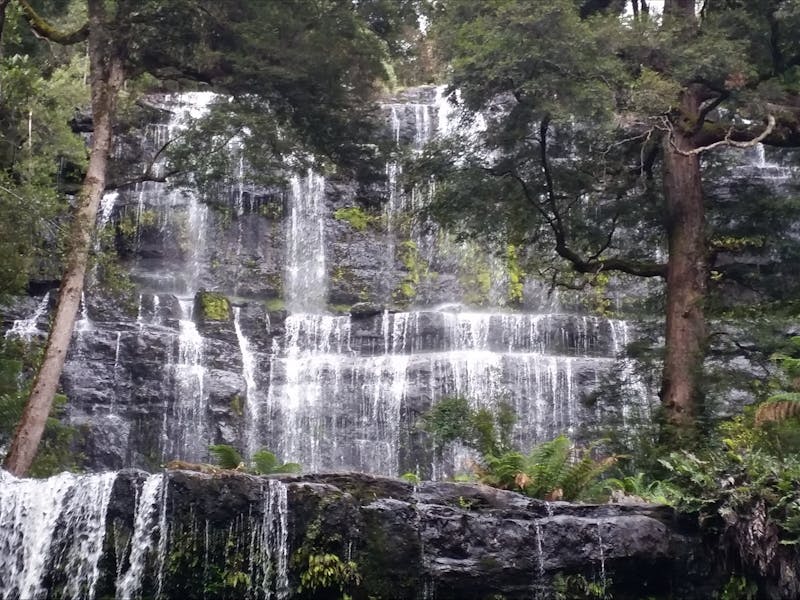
<point>228,535</point>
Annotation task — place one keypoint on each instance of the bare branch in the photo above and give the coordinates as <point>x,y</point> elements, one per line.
<point>727,141</point>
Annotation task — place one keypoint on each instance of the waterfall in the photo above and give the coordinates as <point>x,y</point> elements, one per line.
<point>324,390</point>
<point>305,271</point>
<point>149,529</point>
<point>185,426</point>
<point>52,528</point>
<point>269,549</point>
<point>27,329</point>
<point>249,366</point>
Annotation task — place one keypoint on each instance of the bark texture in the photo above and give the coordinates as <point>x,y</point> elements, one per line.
<point>687,275</point>
<point>106,78</point>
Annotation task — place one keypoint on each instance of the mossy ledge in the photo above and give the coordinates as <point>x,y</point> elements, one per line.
<point>212,306</point>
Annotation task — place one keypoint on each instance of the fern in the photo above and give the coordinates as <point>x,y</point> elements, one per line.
<point>265,463</point>
<point>550,471</point>
<point>226,456</point>
<point>779,407</point>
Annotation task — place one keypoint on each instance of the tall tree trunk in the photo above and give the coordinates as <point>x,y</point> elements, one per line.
<point>106,77</point>
<point>687,277</point>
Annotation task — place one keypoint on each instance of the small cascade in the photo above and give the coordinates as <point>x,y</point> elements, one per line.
<point>539,586</point>
<point>269,548</point>
<point>249,366</point>
<point>52,528</point>
<point>84,324</point>
<point>27,329</point>
<point>305,271</point>
<point>149,533</point>
<point>185,429</point>
<point>601,551</point>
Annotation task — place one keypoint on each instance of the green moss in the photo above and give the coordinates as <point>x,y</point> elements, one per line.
<point>213,306</point>
<point>275,304</point>
<point>416,270</point>
<point>516,276</point>
<point>476,279</point>
<point>339,309</point>
<point>236,405</point>
<point>356,217</point>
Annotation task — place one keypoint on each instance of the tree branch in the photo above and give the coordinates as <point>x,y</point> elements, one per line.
<point>43,29</point>
<point>728,141</point>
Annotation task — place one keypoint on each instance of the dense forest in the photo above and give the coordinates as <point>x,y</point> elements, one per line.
<point>547,247</point>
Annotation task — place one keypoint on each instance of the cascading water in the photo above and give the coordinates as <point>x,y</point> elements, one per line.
<point>27,329</point>
<point>148,533</point>
<point>185,426</point>
<point>52,528</point>
<point>270,544</point>
<point>252,404</point>
<point>325,390</point>
<point>305,271</point>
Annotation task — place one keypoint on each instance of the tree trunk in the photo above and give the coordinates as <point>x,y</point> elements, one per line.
<point>106,77</point>
<point>687,278</point>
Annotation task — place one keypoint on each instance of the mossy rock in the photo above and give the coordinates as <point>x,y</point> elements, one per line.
<point>212,306</point>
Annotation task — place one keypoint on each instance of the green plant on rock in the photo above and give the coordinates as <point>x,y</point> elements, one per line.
<point>577,587</point>
<point>739,588</point>
<point>356,217</point>
<point>411,478</point>
<point>416,270</point>
<point>213,306</point>
<point>554,470</point>
<point>226,457</point>
<point>329,572</point>
<point>263,462</point>
<point>642,487</point>
<point>453,419</point>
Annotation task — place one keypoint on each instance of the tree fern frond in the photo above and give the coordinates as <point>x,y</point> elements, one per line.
<point>226,456</point>
<point>779,407</point>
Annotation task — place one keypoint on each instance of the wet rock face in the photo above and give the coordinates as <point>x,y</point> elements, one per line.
<point>449,541</point>
<point>317,329</point>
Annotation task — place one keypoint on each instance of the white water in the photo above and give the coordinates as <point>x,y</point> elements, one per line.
<point>52,527</point>
<point>252,407</point>
<point>269,549</point>
<point>185,422</point>
<point>305,271</point>
<point>149,531</point>
<point>27,329</point>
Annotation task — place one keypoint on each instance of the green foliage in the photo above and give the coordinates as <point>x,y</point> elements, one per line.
<point>453,419</point>
<point>263,462</point>
<point>356,217</point>
<point>577,587</point>
<point>746,468</point>
<point>516,276</point>
<point>213,306</point>
<point>329,572</point>
<point>57,449</point>
<point>411,478</point>
<point>227,457</point>
<point>415,270</point>
<point>739,588</point>
<point>642,486</point>
<point>553,470</point>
